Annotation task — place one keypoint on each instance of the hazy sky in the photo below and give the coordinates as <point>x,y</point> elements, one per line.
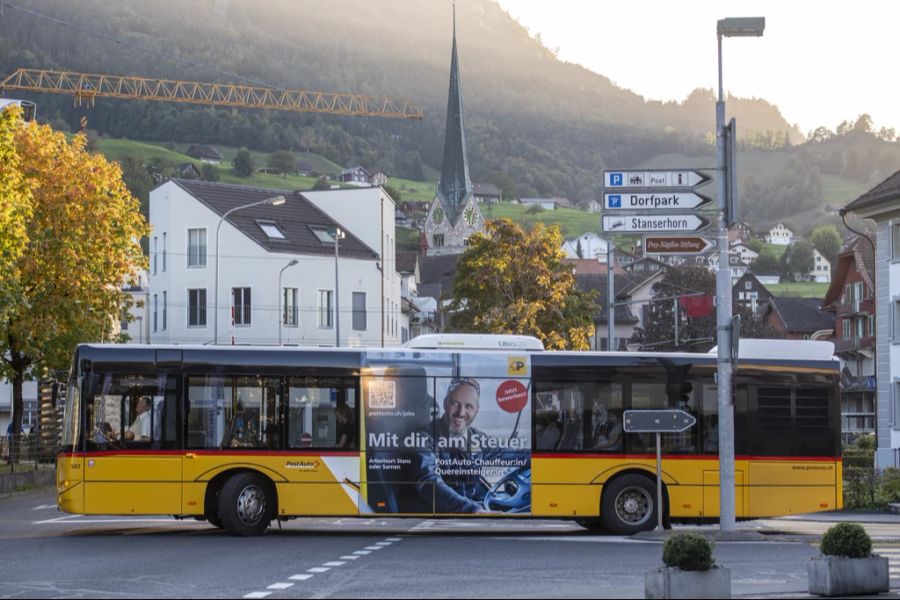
<point>819,62</point>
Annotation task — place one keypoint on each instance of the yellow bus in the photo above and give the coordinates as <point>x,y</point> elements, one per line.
<point>242,436</point>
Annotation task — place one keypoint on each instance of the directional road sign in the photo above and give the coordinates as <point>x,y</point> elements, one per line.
<point>676,245</point>
<point>670,420</point>
<point>653,223</point>
<point>655,201</point>
<point>684,179</point>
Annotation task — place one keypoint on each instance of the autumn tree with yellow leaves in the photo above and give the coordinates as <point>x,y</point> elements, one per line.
<point>514,281</point>
<point>76,234</point>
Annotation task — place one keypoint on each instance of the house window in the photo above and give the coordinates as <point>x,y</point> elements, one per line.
<point>196,247</point>
<point>872,326</point>
<point>291,313</point>
<point>848,330</point>
<point>326,309</point>
<point>155,253</point>
<point>895,241</point>
<point>165,307</point>
<point>155,309</point>
<point>359,311</point>
<point>896,325</point>
<point>271,230</point>
<point>240,302</point>
<point>164,253</point>
<point>438,240</point>
<point>896,402</point>
<point>197,308</point>
<point>748,285</point>
<point>861,327</point>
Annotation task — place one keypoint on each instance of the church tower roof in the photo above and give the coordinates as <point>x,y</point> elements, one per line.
<point>455,185</point>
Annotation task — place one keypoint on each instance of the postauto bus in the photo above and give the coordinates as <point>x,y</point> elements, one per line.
<point>242,436</point>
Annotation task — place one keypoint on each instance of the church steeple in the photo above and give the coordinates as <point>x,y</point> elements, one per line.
<point>455,185</point>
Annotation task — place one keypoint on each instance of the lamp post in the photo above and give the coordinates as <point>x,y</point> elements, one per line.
<point>293,262</point>
<point>338,235</point>
<point>274,201</point>
<point>732,27</point>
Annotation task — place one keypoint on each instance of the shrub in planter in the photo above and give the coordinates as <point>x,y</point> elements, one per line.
<point>690,571</point>
<point>849,540</point>
<point>847,566</point>
<point>688,552</point>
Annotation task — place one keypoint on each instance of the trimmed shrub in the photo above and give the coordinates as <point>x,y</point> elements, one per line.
<point>688,552</point>
<point>846,539</point>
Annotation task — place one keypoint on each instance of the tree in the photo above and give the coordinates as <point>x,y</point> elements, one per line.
<point>393,193</point>
<point>827,241</point>
<point>767,263</point>
<point>579,251</point>
<point>695,334</point>
<point>797,260</point>
<point>243,163</point>
<point>282,162</point>
<point>82,248</point>
<point>514,281</point>
<point>210,172</point>
<point>15,208</point>
<point>321,183</point>
<point>138,180</point>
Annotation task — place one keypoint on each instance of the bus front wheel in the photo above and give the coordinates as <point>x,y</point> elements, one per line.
<point>246,504</point>
<point>629,505</point>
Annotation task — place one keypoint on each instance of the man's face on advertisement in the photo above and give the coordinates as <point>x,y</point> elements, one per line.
<point>460,408</point>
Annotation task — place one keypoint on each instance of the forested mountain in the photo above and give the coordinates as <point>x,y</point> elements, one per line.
<point>535,125</point>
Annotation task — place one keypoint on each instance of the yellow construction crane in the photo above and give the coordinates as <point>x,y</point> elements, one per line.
<point>86,87</point>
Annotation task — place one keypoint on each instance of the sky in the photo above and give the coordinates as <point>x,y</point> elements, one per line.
<point>820,62</point>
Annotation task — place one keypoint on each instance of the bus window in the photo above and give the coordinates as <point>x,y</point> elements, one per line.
<point>578,416</point>
<point>126,410</point>
<point>710,424</point>
<point>233,412</point>
<point>322,413</point>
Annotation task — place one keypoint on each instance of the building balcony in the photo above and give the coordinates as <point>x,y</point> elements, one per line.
<point>857,307</point>
<point>855,344</point>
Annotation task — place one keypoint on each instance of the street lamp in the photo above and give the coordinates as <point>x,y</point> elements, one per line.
<point>281,312</point>
<point>274,201</point>
<point>733,27</point>
<point>338,236</point>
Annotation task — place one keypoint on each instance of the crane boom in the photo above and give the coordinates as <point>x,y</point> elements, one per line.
<point>87,87</point>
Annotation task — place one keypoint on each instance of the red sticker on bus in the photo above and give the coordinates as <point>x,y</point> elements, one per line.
<point>512,396</point>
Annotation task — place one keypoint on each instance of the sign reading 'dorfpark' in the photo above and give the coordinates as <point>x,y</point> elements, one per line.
<point>654,179</point>
<point>670,420</point>
<point>653,201</point>
<point>653,223</point>
<point>676,245</point>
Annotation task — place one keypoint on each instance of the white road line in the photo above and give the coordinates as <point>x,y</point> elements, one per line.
<point>44,507</point>
<point>318,569</point>
<point>300,577</point>
<point>258,594</point>
<point>362,552</point>
<point>394,539</point>
<point>349,557</point>
<point>131,520</point>
<point>383,543</point>
<point>334,563</point>
<point>371,548</point>
<point>280,586</point>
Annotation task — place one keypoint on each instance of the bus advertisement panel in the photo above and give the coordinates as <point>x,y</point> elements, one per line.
<point>447,434</point>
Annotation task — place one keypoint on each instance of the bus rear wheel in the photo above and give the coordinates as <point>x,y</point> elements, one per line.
<point>629,505</point>
<point>246,504</point>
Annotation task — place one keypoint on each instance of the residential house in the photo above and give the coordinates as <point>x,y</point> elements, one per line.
<point>746,254</point>
<point>594,207</point>
<point>738,266</point>
<point>740,232</point>
<point>798,318</point>
<point>379,178</point>
<point>187,170</point>
<point>750,293</point>
<point>624,321</point>
<point>882,205</point>
<point>305,168</point>
<point>357,176</point>
<point>780,235</point>
<point>821,271</point>
<point>851,298</point>
<point>590,245</point>
<point>487,193</point>
<point>242,271</point>
<point>204,153</point>
<point>641,278</point>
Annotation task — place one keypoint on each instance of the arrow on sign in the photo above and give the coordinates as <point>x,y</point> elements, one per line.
<point>653,223</point>
<point>676,245</point>
<point>654,179</point>
<point>658,421</point>
<point>653,201</point>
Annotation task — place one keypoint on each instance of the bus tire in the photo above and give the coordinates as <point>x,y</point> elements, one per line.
<point>629,504</point>
<point>246,504</point>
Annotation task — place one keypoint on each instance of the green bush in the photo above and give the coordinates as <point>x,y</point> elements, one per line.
<point>846,539</point>
<point>688,552</point>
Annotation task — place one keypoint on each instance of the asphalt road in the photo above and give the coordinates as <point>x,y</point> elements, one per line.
<point>46,554</point>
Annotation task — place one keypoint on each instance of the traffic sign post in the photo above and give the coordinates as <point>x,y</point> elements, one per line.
<point>658,422</point>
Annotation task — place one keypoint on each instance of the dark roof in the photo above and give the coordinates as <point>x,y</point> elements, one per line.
<point>352,170</point>
<point>485,189</point>
<point>294,218</point>
<point>203,151</point>
<point>801,315</point>
<point>406,261</point>
<point>593,281</point>
<point>439,271</point>
<point>887,190</point>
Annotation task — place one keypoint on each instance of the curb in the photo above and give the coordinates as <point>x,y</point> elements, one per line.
<point>11,482</point>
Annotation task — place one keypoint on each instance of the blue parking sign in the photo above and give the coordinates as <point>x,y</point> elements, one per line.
<point>616,179</point>
<point>615,201</point>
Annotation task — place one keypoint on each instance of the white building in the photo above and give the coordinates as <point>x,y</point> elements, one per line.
<point>275,266</point>
<point>780,235</point>
<point>821,271</point>
<point>592,246</point>
<point>747,254</point>
<point>882,204</point>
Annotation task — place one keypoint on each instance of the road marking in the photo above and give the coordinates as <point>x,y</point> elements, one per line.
<point>383,543</point>
<point>300,577</point>
<point>318,569</point>
<point>362,552</point>
<point>44,507</point>
<point>334,563</point>
<point>371,548</point>
<point>280,586</point>
<point>393,539</point>
<point>349,557</point>
<point>258,594</point>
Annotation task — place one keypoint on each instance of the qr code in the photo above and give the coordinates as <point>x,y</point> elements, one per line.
<point>382,394</point>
